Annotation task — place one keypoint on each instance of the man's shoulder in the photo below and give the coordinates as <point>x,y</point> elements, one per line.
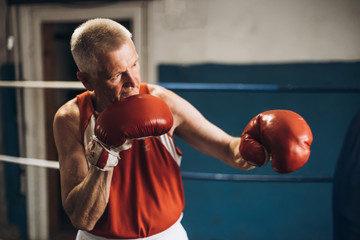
<point>68,112</point>
<point>159,91</point>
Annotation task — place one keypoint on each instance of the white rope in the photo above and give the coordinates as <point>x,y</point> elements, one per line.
<point>190,86</point>
<point>30,161</point>
<point>43,84</point>
<point>187,175</point>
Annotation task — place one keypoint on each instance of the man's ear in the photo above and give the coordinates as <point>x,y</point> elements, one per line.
<point>85,79</point>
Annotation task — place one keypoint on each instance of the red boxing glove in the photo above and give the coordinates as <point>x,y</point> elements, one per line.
<point>282,133</point>
<point>135,117</point>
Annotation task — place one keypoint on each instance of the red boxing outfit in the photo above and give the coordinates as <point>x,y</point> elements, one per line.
<point>146,194</point>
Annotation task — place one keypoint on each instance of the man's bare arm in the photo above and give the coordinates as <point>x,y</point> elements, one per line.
<point>196,130</point>
<point>85,190</point>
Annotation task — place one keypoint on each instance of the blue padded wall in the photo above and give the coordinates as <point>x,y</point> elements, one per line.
<point>273,210</point>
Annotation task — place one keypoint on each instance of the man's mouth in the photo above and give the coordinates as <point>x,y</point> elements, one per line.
<point>128,93</point>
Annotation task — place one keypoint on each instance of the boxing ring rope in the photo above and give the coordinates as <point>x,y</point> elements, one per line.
<point>187,87</point>
<point>190,86</point>
<point>35,162</point>
<point>256,87</point>
<point>42,84</point>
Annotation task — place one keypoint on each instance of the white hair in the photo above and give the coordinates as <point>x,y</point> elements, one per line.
<point>93,37</point>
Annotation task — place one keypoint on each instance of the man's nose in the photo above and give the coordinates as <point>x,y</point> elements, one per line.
<point>129,78</point>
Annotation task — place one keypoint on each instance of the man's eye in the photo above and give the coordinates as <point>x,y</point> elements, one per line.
<point>116,76</point>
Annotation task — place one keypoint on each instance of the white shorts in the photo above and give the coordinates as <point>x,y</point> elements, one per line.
<point>175,232</point>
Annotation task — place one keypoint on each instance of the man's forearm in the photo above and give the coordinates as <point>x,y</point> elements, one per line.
<point>86,203</point>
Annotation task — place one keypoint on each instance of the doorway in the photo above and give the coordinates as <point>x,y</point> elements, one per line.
<point>45,56</point>
<point>58,65</point>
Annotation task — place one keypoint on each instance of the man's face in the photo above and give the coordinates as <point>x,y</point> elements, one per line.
<point>118,75</point>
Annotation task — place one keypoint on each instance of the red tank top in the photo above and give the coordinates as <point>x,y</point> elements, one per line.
<point>146,194</point>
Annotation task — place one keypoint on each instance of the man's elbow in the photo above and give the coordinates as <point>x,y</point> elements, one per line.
<point>80,220</point>
<point>82,223</point>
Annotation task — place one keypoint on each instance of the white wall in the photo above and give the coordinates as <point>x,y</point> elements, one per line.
<point>243,31</point>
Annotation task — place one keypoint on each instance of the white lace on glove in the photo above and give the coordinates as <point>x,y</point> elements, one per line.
<point>103,157</point>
